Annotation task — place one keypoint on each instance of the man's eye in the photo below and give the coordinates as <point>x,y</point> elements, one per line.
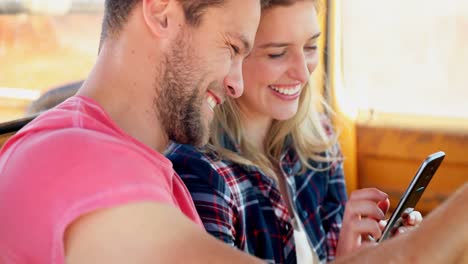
<point>235,49</point>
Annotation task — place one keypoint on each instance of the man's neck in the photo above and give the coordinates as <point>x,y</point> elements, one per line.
<point>126,94</point>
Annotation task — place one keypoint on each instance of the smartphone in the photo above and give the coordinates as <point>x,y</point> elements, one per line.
<point>415,190</point>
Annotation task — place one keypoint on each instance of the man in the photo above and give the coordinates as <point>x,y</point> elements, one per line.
<point>85,183</point>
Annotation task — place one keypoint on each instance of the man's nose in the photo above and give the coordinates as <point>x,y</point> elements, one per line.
<point>233,82</point>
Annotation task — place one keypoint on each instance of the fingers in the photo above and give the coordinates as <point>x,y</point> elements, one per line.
<point>368,202</point>
<point>412,219</point>
<point>368,240</point>
<point>368,227</point>
<point>408,221</point>
<point>406,212</point>
<point>382,224</point>
<point>401,230</point>
<point>371,194</point>
<point>356,233</point>
<point>384,205</point>
<point>359,208</point>
<point>363,211</point>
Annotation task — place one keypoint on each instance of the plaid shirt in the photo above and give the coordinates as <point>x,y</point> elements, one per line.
<point>243,207</point>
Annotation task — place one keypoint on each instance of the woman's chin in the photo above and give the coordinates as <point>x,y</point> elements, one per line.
<point>283,116</point>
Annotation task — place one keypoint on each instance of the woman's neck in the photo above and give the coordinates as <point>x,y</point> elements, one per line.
<point>255,129</point>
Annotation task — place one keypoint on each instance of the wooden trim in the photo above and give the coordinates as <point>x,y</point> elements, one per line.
<point>342,120</point>
<point>389,156</point>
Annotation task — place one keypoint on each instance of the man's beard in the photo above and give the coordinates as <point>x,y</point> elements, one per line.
<point>180,97</point>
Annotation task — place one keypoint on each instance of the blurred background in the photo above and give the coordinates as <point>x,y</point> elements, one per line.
<point>407,56</point>
<point>398,56</point>
<point>395,73</point>
<point>44,44</point>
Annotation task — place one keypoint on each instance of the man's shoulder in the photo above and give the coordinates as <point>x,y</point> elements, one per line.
<point>77,114</point>
<point>81,150</point>
<point>70,127</point>
<point>65,139</point>
<point>79,136</point>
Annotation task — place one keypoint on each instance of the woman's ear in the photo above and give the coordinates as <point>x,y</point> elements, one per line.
<point>160,16</point>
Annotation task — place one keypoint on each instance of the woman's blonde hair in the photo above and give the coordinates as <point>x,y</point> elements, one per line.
<point>306,132</point>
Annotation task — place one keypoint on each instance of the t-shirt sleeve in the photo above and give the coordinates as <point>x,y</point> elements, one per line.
<point>55,179</point>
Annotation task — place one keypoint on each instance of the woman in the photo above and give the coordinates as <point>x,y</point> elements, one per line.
<point>271,181</point>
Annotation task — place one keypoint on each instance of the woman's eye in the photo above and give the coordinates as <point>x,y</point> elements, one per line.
<point>310,48</point>
<point>276,55</point>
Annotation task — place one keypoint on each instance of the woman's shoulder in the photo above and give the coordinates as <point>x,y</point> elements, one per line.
<point>202,163</point>
<point>188,153</point>
<point>175,151</point>
<point>324,163</point>
<point>188,156</point>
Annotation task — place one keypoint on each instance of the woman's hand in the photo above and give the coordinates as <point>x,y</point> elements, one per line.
<point>363,216</point>
<point>410,219</point>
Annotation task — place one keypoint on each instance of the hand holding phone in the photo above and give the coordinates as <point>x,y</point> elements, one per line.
<point>414,192</point>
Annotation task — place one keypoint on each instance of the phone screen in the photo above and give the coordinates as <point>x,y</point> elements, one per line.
<point>414,192</point>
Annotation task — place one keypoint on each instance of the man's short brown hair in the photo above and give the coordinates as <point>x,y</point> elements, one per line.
<point>117,11</point>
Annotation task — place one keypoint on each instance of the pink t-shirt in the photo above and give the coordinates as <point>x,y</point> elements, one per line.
<point>70,161</point>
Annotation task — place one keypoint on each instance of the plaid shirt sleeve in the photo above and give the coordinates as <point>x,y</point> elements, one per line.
<point>335,200</point>
<point>210,193</point>
<point>333,208</point>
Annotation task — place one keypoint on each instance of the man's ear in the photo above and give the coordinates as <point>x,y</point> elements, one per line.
<point>161,16</point>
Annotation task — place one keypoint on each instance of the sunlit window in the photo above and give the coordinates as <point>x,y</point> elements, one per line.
<point>44,44</point>
<point>405,56</point>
